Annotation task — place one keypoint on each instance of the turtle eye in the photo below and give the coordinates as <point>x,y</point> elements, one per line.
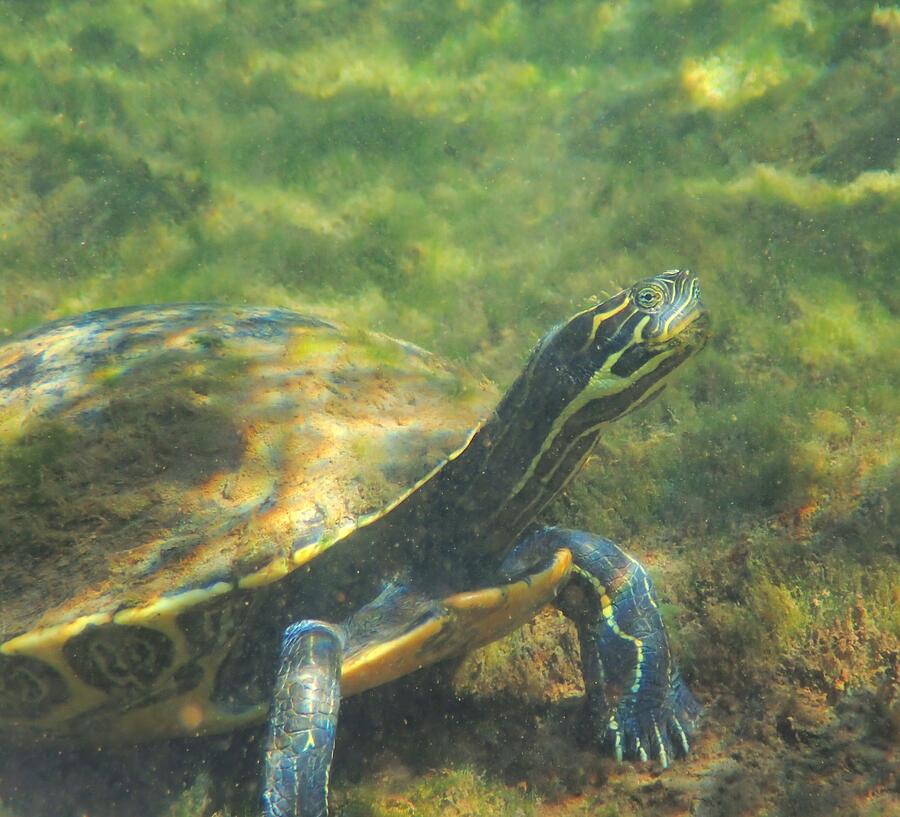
<point>649,297</point>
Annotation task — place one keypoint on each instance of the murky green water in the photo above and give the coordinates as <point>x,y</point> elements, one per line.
<point>464,175</point>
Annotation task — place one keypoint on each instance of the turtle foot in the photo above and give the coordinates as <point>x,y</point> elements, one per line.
<point>644,730</point>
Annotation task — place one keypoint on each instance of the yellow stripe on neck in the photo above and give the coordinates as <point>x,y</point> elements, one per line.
<point>602,384</point>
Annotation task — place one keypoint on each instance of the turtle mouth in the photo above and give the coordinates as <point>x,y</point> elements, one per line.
<point>683,318</point>
<point>690,328</point>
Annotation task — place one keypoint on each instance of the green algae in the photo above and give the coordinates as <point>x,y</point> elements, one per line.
<point>460,792</point>
<point>75,494</point>
<point>464,175</point>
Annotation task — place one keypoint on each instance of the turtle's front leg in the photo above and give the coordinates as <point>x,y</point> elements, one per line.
<point>638,701</point>
<point>303,720</point>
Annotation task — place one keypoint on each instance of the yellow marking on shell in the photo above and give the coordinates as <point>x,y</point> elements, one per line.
<point>272,572</point>
<point>219,505</point>
<point>170,606</point>
<point>46,645</point>
<point>191,713</point>
<point>306,399</point>
<point>494,612</point>
<point>82,698</point>
<point>513,595</point>
<point>384,662</point>
<point>160,615</point>
<point>279,568</point>
<point>26,643</point>
<point>449,458</point>
<point>305,345</point>
<point>310,552</point>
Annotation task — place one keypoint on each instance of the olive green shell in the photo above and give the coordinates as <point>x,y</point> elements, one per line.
<point>150,453</point>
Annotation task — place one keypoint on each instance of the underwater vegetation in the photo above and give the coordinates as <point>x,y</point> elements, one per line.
<point>463,175</point>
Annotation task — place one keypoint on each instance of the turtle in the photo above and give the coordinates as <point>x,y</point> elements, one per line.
<point>215,516</point>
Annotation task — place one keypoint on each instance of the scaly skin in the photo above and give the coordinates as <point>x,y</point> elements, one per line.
<point>303,721</point>
<point>638,702</point>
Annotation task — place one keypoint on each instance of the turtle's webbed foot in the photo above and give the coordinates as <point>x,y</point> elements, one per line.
<point>641,729</point>
<point>638,700</point>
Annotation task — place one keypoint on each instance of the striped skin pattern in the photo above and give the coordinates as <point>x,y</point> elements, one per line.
<point>638,701</point>
<point>656,712</point>
<point>603,363</point>
<point>622,342</point>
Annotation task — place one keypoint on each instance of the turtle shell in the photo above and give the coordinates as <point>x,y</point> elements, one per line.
<point>154,457</point>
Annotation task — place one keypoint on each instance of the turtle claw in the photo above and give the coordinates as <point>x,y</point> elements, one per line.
<point>638,731</point>
<point>637,702</point>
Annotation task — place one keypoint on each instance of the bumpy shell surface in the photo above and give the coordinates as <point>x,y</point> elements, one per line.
<point>149,452</point>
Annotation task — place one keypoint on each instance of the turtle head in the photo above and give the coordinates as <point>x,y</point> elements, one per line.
<point>616,355</point>
<point>611,358</point>
<point>632,341</point>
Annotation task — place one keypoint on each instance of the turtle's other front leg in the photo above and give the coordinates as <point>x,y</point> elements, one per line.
<point>303,720</point>
<point>638,701</point>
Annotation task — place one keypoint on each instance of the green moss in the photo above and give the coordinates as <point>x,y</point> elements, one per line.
<point>460,792</point>
<point>537,664</point>
<point>77,493</point>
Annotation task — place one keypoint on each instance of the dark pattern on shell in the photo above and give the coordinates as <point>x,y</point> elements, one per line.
<point>187,678</point>
<point>124,661</point>
<point>29,688</point>
<point>245,676</point>
<point>100,717</point>
<point>211,626</point>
